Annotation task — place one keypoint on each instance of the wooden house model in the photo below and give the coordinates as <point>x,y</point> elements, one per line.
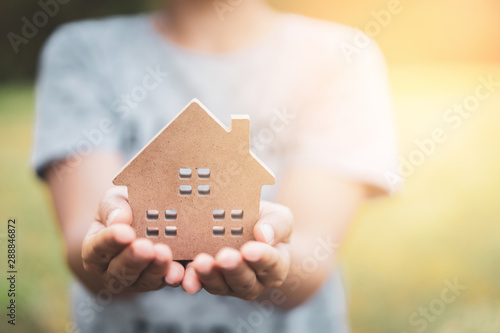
<point>196,185</point>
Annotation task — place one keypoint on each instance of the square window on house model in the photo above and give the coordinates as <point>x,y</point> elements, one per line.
<point>203,173</point>
<point>152,215</point>
<point>170,215</point>
<point>185,190</point>
<point>196,186</point>
<point>204,190</point>
<point>170,232</point>
<point>218,214</point>
<point>185,173</point>
<point>152,232</point>
<point>237,214</point>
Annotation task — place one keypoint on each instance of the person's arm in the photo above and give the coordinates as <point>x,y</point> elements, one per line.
<point>321,204</point>
<point>84,206</point>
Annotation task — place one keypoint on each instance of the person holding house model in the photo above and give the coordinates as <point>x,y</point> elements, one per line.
<point>321,120</point>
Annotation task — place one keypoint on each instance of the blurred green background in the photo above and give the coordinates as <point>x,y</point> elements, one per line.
<point>442,226</point>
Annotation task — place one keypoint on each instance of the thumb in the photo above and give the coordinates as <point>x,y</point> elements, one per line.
<point>275,224</point>
<point>114,207</point>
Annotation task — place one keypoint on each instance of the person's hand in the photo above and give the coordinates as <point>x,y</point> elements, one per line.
<point>111,251</point>
<point>258,266</point>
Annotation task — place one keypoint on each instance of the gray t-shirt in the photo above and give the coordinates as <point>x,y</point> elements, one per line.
<point>112,84</point>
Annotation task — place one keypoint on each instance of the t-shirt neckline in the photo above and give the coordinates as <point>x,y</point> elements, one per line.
<point>246,51</point>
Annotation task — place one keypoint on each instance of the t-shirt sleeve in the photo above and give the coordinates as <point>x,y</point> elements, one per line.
<point>348,125</point>
<point>73,109</point>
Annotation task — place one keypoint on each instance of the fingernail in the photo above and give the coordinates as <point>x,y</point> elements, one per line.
<point>268,232</point>
<point>112,215</point>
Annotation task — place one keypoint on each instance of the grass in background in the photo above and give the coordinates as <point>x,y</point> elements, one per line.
<point>42,276</point>
<point>444,225</point>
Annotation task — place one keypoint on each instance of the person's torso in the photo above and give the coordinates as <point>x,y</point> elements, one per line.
<point>152,80</point>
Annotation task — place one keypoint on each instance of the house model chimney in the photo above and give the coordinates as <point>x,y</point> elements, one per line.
<point>240,129</point>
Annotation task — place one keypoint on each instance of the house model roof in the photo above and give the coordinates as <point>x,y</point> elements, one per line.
<point>196,185</point>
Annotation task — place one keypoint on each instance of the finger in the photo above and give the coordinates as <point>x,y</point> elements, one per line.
<point>209,276</point>
<point>275,224</point>
<point>153,277</point>
<point>102,244</point>
<point>191,284</point>
<point>270,264</point>
<point>175,274</point>
<point>114,207</point>
<point>131,262</point>
<point>238,275</point>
